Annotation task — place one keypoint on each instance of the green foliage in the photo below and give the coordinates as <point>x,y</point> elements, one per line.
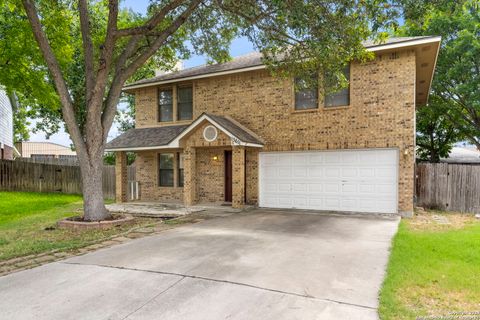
<point>22,67</point>
<point>436,133</point>
<point>109,158</point>
<point>456,84</point>
<point>432,271</point>
<point>306,35</point>
<point>28,224</point>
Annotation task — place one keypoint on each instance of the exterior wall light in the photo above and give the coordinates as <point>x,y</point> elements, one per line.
<point>215,158</point>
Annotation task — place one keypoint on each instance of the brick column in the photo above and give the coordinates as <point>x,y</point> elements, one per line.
<point>189,176</point>
<point>238,177</point>
<point>121,178</point>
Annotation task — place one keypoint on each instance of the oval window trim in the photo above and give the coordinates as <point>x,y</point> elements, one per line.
<point>210,133</point>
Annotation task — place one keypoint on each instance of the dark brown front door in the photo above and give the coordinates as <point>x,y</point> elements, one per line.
<point>228,176</point>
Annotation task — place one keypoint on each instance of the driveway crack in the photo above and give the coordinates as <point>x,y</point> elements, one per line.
<point>305,295</point>
<point>152,298</point>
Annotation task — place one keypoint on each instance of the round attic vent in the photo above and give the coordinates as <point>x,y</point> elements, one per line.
<point>210,133</point>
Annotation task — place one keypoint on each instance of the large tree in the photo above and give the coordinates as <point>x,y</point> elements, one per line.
<point>87,50</point>
<point>436,133</point>
<point>456,84</point>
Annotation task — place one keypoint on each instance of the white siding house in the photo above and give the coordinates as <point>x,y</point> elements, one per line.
<point>6,126</point>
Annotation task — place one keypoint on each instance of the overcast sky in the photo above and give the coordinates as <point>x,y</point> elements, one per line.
<point>239,47</point>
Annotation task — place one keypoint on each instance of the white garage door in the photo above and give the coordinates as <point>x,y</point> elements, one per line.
<point>353,180</point>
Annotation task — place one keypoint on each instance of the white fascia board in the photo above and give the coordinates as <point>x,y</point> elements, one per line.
<point>175,143</point>
<point>434,66</point>
<point>139,148</point>
<point>407,43</point>
<point>192,126</point>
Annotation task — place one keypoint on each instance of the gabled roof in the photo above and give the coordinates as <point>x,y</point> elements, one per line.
<point>239,134</point>
<point>253,61</point>
<point>144,138</point>
<point>168,137</point>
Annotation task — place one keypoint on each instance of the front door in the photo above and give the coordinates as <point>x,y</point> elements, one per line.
<point>228,176</point>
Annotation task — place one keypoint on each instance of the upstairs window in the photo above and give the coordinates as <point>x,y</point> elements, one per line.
<point>342,97</point>
<point>165,105</point>
<point>165,174</point>
<point>185,103</point>
<point>306,95</point>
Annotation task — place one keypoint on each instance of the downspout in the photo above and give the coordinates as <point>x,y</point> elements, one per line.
<point>245,177</point>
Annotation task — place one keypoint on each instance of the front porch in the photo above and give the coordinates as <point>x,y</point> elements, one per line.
<point>203,165</point>
<point>157,209</point>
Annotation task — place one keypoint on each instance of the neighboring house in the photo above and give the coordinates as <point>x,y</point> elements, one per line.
<point>463,155</point>
<point>7,149</point>
<point>44,150</point>
<point>233,133</point>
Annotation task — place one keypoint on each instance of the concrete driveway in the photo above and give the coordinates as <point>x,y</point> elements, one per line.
<point>266,264</point>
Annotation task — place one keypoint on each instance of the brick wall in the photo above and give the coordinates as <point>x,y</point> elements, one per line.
<point>147,175</point>
<point>381,114</point>
<point>6,153</point>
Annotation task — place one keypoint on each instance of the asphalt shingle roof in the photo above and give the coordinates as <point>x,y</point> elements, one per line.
<point>162,136</point>
<point>146,137</point>
<point>235,128</point>
<point>245,61</point>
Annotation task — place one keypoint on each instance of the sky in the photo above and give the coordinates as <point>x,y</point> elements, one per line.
<point>238,47</point>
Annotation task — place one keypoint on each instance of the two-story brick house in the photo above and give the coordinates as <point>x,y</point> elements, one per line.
<point>233,133</point>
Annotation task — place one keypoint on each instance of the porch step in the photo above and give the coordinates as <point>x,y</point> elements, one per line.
<point>154,210</point>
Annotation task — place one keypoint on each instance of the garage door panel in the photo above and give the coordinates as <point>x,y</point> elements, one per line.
<point>284,187</point>
<point>284,160</point>
<point>367,188</point>
<point>349,158</point>
<point>284,172</point>
<point>332,172</point>
<point>315,187</point>
<point>366,172</point>
<point>285,202</point>
<point>349,172</point>
<point>332,203</point>
<point>299,187</point>
<point>315,158</point>
<point>348,180</point>
<point>331,187</point>
<point>300,172</point>
<point>315,172</point>
<point>349,188</point>
<point>367,158</point>
<point>348,204</point>
<point>300,202</point>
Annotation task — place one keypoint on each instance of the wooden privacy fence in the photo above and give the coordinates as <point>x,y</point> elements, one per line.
<point>451,187</point>
<point>39,177</point>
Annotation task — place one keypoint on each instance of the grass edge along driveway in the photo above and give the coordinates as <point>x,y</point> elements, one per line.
<point>434,268</point>
<point>28,224</point>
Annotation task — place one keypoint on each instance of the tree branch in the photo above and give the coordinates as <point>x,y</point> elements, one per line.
<point>94,129</point>
<point>152,23</point>
<point>55,71</point>
<point>87,48</point>
<point>124,72</point>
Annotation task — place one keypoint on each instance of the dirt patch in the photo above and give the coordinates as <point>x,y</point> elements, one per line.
<point>434,301</point>
<point>78,223</point>
<point>432,220</point>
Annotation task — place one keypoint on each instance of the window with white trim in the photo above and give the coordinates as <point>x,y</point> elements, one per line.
<point>341,97</point>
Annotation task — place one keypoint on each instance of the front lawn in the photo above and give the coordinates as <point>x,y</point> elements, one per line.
<point>434,268</point>
<point>28,224</point>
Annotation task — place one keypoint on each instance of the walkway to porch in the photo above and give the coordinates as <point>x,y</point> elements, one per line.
<point>158,209</point>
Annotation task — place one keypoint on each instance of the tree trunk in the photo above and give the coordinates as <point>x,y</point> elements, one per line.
<point>92,187</point>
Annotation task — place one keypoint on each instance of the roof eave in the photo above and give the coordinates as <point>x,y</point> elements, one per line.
<point>374,48</point>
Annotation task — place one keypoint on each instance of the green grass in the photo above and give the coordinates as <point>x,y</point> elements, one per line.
<point>433,270</point>
<point>28,224</point>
